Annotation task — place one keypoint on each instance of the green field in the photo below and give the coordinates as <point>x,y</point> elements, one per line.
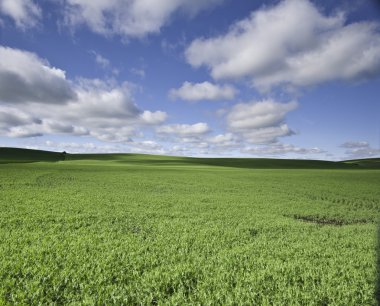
<point>155,230</point>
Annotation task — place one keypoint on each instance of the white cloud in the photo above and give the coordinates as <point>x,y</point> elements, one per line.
<point>203,91</point>
<point>99,99</point>
<point>45,126</point>
<point>184,130</point>
<point>129,18</point>
<point>260,122</point>
<point>106,110</point>
<point>224,141</point>
<point>24,77</point>
<point>153,118</point>
<point>257,115</point>
<point>291,43</point>
<point>146,147</point>
<point>281,149</point>
<point>266,135</point>
<point>103,109</point>
<point>25,13</point>
<point>121,134</point>
<point>247,123</point>
<point>222,138</point>
<point>10,116</point>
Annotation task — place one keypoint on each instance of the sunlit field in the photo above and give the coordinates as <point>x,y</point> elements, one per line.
<point>135,229</point>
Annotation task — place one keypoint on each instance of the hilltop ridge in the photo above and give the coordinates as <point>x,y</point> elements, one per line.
<point>20,155</point>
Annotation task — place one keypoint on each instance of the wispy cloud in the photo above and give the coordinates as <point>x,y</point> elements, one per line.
<point>138,71</point>
<point>25,13</point>
<point>104,62</point>
<point>129,18</point>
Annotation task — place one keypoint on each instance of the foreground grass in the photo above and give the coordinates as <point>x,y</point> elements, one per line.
<point>133,231</point>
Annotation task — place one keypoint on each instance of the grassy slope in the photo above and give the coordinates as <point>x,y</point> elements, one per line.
<point>145,229</point>
<point>116,232</point>
<point>257,163</point>
<point>8,155</point>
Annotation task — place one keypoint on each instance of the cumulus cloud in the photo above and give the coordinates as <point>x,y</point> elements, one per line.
<point>153,118</point>
<point>25,13</point>
<point>184,130</point>
<point>260,122</point>
<point>24,77</point>
<point>102,108</point>
<point>106,110</point>
<point>203,91</point>
<point>14,117</point>
<point>99,99</point>
<point>291,43</point>
<point>221,138</point>
<point>266,135</point>
<point>281,149</point>
<point>220,143</point>
<point>255,115</point>
<point>129,18</point>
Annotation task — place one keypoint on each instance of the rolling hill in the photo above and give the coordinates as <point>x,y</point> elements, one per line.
<point>19,155</point>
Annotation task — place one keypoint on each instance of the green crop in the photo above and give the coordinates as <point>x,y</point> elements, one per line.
<point>140,230</point>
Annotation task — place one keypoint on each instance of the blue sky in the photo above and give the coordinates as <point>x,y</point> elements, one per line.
<point>286,79</point>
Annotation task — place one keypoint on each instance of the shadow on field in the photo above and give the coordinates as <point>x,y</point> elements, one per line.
<point>377,293</point>
<point>250,163</point>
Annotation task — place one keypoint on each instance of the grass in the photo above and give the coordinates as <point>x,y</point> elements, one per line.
<point>140,229</point>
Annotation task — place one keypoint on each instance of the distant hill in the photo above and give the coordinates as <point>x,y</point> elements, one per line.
<point>253,163</point>
<point>365,163</point>
<point>18,155</point>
